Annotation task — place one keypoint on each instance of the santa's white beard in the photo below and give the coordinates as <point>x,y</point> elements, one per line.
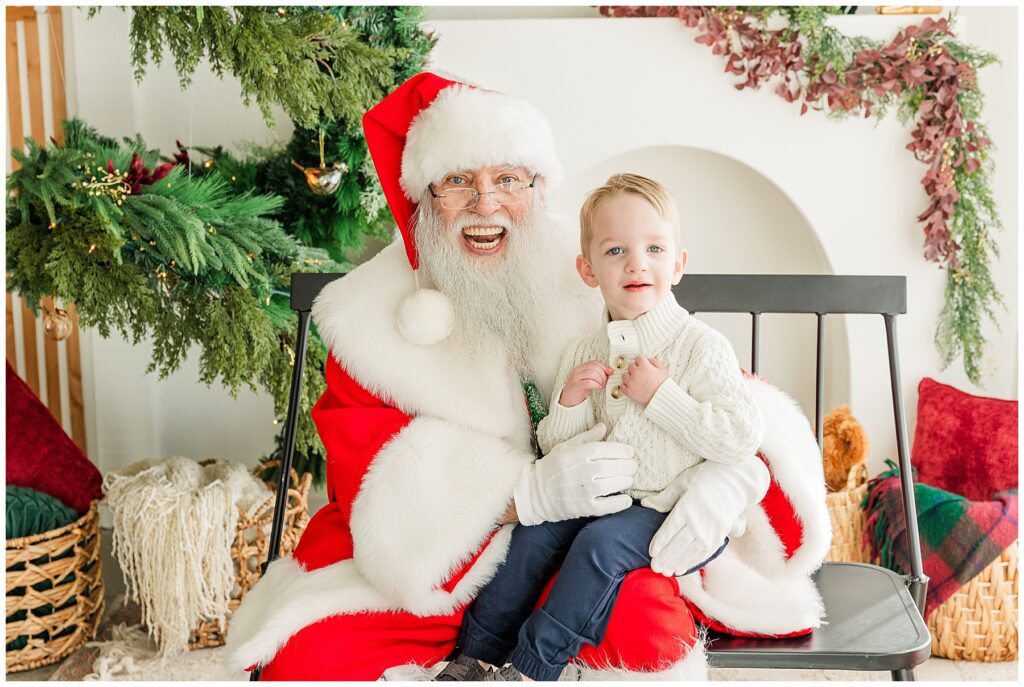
<point>504,300</point>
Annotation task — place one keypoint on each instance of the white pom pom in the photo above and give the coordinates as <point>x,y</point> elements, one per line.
<point>425,317</point>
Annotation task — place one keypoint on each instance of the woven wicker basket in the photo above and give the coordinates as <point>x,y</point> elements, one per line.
<point>979,622</point>
<point>75,598</point>
<point>848,519</point>
<point>252,541</point>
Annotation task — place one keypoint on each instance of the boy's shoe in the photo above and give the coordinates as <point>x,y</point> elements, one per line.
<point>462,668</point>
<point>506,673</point>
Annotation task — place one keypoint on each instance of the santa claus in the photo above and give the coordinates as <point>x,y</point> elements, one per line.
<point>440,345</point>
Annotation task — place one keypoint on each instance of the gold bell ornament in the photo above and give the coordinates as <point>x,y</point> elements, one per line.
<point>57,324</point>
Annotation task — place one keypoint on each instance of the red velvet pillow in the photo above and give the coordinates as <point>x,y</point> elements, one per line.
<point>963,443</point>
<point>41,455</point>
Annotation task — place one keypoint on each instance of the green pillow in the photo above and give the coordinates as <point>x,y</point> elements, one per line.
<point>33,512</point>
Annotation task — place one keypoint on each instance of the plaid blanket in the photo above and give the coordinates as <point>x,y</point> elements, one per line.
<point>959,538</point>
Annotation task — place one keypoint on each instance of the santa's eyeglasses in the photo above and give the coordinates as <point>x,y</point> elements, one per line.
<point>507,193</point>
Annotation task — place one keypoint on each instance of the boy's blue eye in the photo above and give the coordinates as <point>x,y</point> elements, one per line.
<point>615,251</point>
<point>656,249</point>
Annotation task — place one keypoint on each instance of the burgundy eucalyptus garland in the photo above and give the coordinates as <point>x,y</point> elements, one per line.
<point>932,78</point>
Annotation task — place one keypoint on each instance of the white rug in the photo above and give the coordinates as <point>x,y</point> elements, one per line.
<point>132,655</point>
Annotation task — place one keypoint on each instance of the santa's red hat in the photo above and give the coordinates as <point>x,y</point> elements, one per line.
<point>430,126</point>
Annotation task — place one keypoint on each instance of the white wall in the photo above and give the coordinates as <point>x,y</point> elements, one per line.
<point>783,193</point>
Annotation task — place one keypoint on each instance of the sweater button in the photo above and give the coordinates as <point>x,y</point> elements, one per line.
<point>620,362</point>
<point>616,392</point>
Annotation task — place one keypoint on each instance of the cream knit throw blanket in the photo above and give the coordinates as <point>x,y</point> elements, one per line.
<point>174,522</point>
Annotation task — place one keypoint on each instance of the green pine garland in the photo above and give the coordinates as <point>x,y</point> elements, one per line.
<point>357,210</point>
<point>205,256</point>
<point>379,47</point>
<point>341,222</point>
<point>185,260</point>
<point>313,65</point>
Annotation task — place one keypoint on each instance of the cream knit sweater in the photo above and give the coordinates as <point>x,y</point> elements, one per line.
<point>701,412</point>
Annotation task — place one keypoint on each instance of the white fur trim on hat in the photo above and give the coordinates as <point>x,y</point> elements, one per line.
<point>465,128</point>
<point>425,317</point>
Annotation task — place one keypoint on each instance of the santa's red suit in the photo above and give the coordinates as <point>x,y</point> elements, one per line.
<point>423,453</point>
<point>424,446</point>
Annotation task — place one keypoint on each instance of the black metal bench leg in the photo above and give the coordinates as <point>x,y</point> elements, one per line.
<point>292,421</point>
<point>904,675</point>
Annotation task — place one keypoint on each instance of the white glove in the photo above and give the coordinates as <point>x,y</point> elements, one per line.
<point>703,514</point>
<point>575,479</point>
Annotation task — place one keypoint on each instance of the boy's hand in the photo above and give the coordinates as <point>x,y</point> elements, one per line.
<point>642,378</point>
<point>584,380</point>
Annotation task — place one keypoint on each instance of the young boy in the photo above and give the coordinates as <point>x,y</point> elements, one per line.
<point>663,383</point>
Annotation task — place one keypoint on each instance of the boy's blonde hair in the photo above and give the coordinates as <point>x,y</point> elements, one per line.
<point>648,189</point>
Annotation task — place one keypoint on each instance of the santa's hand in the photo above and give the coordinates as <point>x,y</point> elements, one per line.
<point>704,514</point>
<point>579,478</point>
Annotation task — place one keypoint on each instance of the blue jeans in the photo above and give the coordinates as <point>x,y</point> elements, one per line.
<point>501,625</point>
